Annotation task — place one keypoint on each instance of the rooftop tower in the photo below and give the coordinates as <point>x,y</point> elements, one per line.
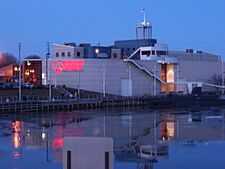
<point>144,29</point>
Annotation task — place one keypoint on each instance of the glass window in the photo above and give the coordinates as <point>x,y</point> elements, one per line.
<point>78,54</point>
<point>63,54</point>
<point>146,53</point>
<point>69,54</point>
<point>57,54</point>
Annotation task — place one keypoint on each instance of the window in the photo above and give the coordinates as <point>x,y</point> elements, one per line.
<point>63,54</point>
<point>114,55</point>
<point>69,54</point>
<point>153,52</point>
<point>161,52</point>
<point>78,54</point>
<point>57,54</point>
<point>146,53</point>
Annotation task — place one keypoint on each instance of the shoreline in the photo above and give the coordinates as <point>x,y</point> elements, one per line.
<point>78,104</point>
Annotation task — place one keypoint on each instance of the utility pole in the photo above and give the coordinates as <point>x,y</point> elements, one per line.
<point>130,80</point>
<point>20,71</point>
<point>155,90</point>
<point>103,78</point>
<point>222,75</point>
<point>47,57</point>
<point>48,79</point>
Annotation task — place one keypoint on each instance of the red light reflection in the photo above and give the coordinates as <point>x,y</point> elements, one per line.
<point>16,137</point>
<point>57,143</point>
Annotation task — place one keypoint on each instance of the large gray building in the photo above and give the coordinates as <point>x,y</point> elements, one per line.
<point>140,67</point>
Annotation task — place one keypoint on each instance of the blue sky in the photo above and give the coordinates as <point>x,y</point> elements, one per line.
<point>180,23</point>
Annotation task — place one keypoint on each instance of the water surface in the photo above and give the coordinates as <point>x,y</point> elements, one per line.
<point>143,138</point>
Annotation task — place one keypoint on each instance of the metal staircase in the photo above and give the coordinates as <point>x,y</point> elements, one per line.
<point>144,69</point>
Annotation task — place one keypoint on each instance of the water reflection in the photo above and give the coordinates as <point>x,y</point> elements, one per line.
<point>142,139</point>
<point>16,137</point>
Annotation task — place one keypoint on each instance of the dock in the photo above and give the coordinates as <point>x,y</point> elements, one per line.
<point>69,104</point>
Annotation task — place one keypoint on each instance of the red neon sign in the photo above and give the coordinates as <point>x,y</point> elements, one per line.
<point>60,66</point>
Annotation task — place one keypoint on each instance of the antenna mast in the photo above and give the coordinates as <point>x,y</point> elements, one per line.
<point>144,29</point>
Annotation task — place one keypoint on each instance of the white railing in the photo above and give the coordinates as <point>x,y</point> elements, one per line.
<point>144,69</point>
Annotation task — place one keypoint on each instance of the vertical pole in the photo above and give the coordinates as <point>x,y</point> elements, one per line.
<point>130,81</point>
<point>155,82</point>
<point>78,84</point>
<point>222,75</point>
<point>50,81</point>
<point>103,85</point>
<point>48,66</point>
<point>104,126</point>
<point>177,76</point>
<point>20,71</point>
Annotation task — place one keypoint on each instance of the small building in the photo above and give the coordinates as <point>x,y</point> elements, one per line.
<point>32,71</point>
<point>9,73</point>
<point>87,153</point>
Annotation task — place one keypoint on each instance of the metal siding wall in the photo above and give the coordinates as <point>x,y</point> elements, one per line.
<point>91,78</point>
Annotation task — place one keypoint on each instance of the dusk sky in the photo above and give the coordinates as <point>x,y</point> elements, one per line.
<point>180,23</point>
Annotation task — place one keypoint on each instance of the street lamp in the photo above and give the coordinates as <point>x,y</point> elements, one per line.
<point>222,75</point>
<point>78,86</point>
<point>154,81</point>
<point>103,81</point>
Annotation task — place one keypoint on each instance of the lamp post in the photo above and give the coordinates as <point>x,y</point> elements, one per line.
<point>103,81</point>
<point>130,80</point>
<point>20,71</point>
<point>154,81</point>
<point>222,75</point>
<point>78,87</point>
<point>50,76</point>
<point>177,77</point>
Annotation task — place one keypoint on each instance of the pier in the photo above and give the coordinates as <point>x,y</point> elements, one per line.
<point>37,104</point>
<point>69,104</point>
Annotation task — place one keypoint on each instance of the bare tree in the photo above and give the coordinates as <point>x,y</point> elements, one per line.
<point>33,57</point>
<point>216,79</point>
<point>7,59</point>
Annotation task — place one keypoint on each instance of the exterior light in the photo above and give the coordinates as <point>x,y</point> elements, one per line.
<point>97,51</point>
<point>43,136</point>
<point>32,71</point>
<point>28,63</point>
